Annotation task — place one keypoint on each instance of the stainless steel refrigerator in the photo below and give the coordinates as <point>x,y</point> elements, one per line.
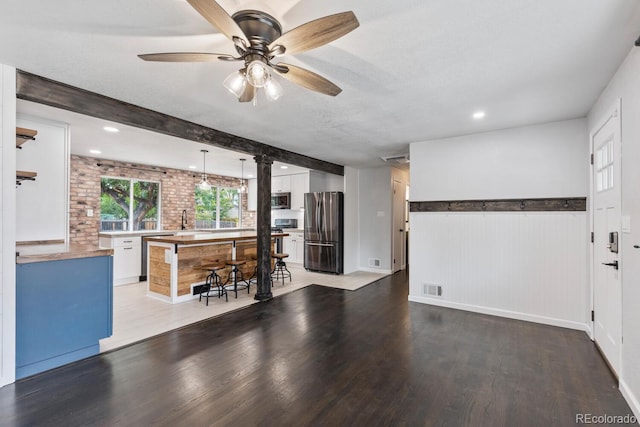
<point>324,231</point>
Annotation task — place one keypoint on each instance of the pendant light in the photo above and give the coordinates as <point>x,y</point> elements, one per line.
<point>243,188</point>
<point>204,184</point>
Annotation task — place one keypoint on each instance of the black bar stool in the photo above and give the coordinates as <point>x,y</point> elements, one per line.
<point>235,271</point>
<point>254,275</point>
<point>214,281</point>
<point>280,270</point>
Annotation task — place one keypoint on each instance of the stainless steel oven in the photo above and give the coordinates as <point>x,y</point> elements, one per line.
<point>280,200</point>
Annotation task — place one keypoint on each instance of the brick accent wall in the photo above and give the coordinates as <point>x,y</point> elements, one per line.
<point>177,192</point>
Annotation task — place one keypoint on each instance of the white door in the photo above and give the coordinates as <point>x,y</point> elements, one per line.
<point>607,293</point>
<point>398,225</point>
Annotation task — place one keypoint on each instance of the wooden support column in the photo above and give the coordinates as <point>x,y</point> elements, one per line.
<point>264,227</point>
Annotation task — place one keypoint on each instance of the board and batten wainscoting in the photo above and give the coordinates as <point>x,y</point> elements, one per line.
<point>522,259</point>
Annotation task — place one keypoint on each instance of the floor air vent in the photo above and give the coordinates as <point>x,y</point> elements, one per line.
<point>432,290</point>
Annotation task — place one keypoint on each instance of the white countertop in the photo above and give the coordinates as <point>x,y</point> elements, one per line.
<point>167,232</point>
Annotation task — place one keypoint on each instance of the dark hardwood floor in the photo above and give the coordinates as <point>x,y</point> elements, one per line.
<point>328,357</point>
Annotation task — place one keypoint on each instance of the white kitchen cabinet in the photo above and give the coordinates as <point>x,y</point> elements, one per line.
<point>127,253</point>
<point>294,246</point>
<point>281,184</point>
<point>252,195</point>
<point>299,186</point>
<point>299,241</point>
<point>288,247</point>
<point>308,182</point>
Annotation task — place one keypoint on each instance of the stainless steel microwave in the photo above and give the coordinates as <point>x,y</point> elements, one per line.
<point>280,200</point>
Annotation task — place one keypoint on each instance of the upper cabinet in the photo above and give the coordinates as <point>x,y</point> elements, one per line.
<point>308,182</point>
<point>281,184</point>
<point>296,184</point>
<point>299,186</point>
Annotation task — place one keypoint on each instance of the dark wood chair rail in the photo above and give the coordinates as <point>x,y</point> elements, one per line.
<point>556,204</point>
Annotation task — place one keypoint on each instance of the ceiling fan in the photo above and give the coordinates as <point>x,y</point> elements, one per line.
<point>258,40</point>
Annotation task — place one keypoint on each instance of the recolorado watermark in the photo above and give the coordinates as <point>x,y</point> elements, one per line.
<point>605,419</point>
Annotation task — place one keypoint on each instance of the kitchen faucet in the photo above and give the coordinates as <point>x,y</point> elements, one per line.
<point>184,219</point>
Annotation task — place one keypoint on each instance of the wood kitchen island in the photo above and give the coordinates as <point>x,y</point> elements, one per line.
<point>174,263</point>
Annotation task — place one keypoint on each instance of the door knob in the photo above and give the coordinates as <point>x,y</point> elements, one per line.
<point>613,264</point>
<point>636,246</point>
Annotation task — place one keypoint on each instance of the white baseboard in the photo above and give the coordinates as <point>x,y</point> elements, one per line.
<point>631,399</point>
<point>375,270</point>
<point>589,329</point>
<point>502,313</point>
<point>126,281</point>
<point>176,300</point>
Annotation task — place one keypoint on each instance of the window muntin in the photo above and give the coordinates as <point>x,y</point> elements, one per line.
<point>604,166</point>
<point>218,207</point>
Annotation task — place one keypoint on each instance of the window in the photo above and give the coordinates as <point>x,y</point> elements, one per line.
<point>217,208</point>
<point>118,213</point>
<point>604,166</point>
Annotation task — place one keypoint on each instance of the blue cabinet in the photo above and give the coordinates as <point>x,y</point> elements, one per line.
<point>63,308</point>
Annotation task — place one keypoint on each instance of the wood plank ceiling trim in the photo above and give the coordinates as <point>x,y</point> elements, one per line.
<point>31,87</point>
<point>557,204</point>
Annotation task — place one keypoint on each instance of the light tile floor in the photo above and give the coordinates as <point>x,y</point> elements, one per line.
<point>137,316</point>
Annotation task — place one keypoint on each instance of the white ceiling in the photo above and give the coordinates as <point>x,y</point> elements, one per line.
<point>414,70</point>
<point>147,148</point>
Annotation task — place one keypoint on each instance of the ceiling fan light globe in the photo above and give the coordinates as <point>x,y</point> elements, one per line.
<point>273,90</point>
<point>258,73</point>
<point>235,83</point>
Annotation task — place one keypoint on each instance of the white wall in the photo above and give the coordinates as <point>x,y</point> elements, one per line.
<point>528,266</point>
<point>523,265</point>
<point>376,215</point>
<point>288,213</point>
<point>7,224</point>
<point>374,218</point>
<point>48,156</point>
<point>625,86</point>
<point>541,161</point>
<point>351,215</point>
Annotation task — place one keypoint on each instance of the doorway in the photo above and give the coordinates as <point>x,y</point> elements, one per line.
<point>398,225</point>
<point>606,196</point>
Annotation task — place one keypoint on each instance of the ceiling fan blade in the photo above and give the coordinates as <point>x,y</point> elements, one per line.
<point>219,18</point>
<point>248,94</point>
<point>308,79</point>
<point>317,33</point>
<point>186,57</point>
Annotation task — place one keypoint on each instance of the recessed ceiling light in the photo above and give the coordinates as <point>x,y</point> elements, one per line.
<point>192,166</point>
<point>111,129</point>
<point>284,167</point>
<point>95,151</point>
<point>478,115</point>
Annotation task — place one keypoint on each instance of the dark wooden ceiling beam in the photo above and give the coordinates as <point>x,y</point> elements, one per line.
<point>38,89</point>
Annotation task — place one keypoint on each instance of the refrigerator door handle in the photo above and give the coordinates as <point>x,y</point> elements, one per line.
<point>318,218</point>
<point>319,244</point>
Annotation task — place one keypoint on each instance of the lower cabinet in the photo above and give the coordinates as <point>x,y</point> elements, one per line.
<point>294,246</point>
<point>63,308</point>
<point>127,258</point>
